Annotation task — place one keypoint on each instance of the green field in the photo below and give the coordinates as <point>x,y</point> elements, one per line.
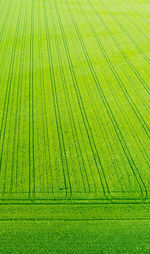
<point>74,93</point>
<point>74,126</point>
<point>124,237</point>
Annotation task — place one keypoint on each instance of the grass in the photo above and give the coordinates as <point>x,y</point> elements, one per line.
<point>74,111</point>
<point>75,237</point>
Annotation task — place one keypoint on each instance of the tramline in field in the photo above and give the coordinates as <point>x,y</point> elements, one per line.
<point>74,93</point>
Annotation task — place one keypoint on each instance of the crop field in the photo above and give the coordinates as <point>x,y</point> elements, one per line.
<point>74,101</point>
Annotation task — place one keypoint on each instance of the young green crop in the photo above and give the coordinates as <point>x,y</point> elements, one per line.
<point>74,93</point>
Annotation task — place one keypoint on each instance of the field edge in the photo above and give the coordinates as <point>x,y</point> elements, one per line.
<point>75,212</point>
